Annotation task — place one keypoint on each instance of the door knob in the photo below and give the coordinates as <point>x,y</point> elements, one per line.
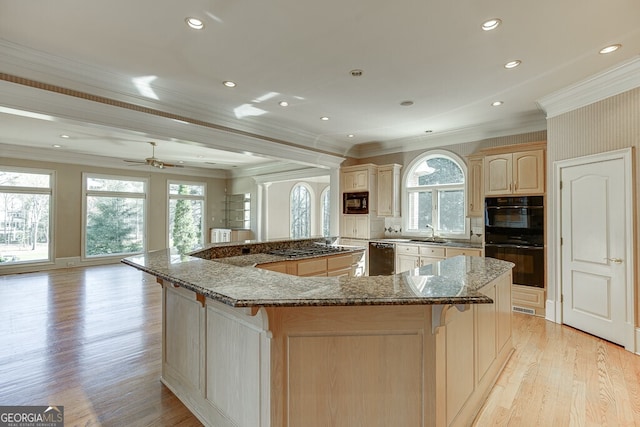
<point>615,260</point>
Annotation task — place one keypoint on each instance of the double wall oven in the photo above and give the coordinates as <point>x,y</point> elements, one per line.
<point>514,231</point>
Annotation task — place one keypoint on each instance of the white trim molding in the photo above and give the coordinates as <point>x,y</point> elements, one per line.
<point>615,80</point>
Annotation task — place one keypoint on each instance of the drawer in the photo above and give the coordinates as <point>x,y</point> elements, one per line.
<point>339,262</point>
<point>527,296</point>
<point>451,252</point>
<point>408,250</point>
<point>312,267</point>
<point>432,251</point>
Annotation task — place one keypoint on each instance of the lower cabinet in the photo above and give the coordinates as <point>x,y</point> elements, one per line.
<point>410,256</point>
<point>529,299</point>
<point>334,266</point>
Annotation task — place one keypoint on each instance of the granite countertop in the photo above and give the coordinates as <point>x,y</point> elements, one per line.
<point>455,280</point>
<point>417,241</point>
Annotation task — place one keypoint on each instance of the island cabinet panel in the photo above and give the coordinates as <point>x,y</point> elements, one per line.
<point>487,330</point>
<point>233,367</point>
<point>352,366</point>
<point>355,379</point>
<point>182,337</point>
<point>472,347</point>
<point>458,358</point>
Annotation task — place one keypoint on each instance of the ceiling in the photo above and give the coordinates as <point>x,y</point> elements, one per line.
<point>431,53</point>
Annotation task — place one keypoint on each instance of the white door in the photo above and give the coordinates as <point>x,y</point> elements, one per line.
<point>594,230</point>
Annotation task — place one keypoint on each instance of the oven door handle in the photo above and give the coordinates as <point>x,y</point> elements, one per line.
<point>507,245</point>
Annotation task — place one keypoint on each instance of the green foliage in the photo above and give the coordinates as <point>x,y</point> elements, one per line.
<point>112,227</point>
<point>185,232</point>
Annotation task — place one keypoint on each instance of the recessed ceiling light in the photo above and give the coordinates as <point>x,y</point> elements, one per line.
<point>283,103</point>
<point>406,103</point>
<point>609,49</point>
<point>497,103</point>
<point>181,161</point>
<point>64,136</point>
<point>491,24</point>
<point>512,64</point>
<point>325,118</point>
<point>56,145</point>
<point>195,23</point>
<point>200,157</point>
<point>350,135</point>
<point>229,83</point>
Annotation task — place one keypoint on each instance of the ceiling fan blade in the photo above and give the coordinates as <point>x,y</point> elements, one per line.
<point>135,161</point>
<point>171,165</point>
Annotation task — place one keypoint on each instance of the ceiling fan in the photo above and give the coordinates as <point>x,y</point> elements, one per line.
<point>153,161</point>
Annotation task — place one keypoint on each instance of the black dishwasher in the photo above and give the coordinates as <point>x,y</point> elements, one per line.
<point>382,258</point>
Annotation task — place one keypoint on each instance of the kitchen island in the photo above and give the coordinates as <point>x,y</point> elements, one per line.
<point>243,346</point>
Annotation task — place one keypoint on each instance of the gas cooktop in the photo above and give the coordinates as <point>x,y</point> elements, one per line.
<point>307,251</point>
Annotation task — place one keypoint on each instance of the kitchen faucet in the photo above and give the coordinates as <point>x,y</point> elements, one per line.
<point>433,232</point>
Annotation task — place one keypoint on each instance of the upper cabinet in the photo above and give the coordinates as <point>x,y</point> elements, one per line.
<point>389,190</point>
<point>355,180</point>
<point>515,173</point>
<point>475,184</point>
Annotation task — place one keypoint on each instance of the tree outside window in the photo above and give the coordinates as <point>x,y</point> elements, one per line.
<point>115,210</point>
<point>300,212</point>
<point>325,211</point>
<point>435,194</point>
<point>25,204</point>
<point>186,215</point>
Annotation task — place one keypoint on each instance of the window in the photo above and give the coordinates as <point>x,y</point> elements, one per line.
<point>115,212</point>
<point>325,211</point>
<point>300,211</point>
<point>435,195</point>
<point>25,220</point>
<point>186,215</point>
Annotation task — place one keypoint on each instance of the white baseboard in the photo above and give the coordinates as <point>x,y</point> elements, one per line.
<point>68,262</point>
<point>637,341</point>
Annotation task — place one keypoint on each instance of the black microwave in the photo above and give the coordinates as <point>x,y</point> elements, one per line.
<point>355,203</point>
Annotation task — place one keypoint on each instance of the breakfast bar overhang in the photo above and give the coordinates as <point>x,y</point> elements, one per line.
<point>243,346</point>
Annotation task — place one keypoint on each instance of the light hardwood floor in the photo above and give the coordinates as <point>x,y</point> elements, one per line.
<point>89,339</point>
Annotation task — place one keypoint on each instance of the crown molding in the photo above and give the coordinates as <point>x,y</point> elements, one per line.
<point>528,123</point>
<point>618,79</point>
<point>65,157</point>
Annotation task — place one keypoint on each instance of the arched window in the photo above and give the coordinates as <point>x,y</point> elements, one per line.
<point>325,211</point>
<point>434,195</point>
<point>300,211</point>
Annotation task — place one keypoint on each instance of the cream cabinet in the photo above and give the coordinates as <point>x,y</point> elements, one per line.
<point>414,255</point>
<point>475,187</point>
<point>355,226</point>
<point>332,265</point>
<point>514,173</point>
<point>389,190</point>
<point>356,180</point>
<point>529,299</point>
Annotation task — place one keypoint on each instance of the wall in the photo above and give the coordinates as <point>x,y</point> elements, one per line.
<point>67,229</point>
<point>278,208</point>
<point>607,125</point>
